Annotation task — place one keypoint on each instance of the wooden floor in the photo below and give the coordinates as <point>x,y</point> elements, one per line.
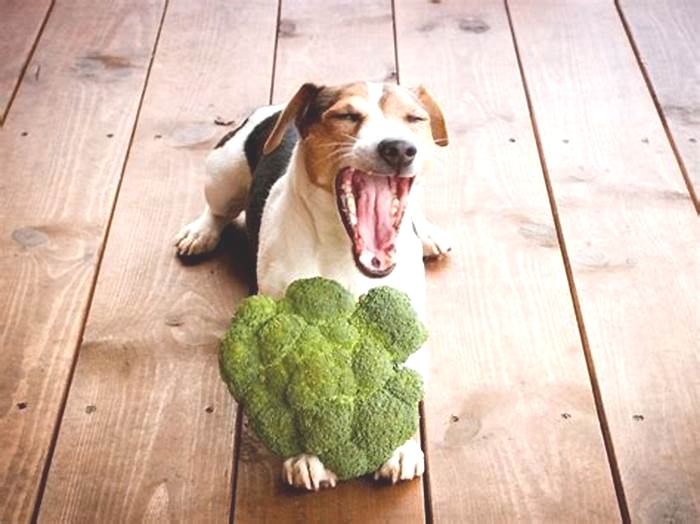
<point>565,326</point>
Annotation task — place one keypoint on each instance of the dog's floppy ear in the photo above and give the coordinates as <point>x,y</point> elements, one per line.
<point>437,120</point>
<point>295,111</point>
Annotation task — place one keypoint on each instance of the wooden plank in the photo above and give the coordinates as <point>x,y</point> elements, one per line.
<point>261,496</point>
<point>148,432</point>
<point>512,429</point>
<point>20,25</point>
<point>633,240</point>
<point>62,148</point>
<point>667,39</point>
<point>330,42</point>
<point>333,42</point>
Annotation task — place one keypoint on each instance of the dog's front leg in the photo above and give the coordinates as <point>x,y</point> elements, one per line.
<point>407,462</point>
<point>226,190</point>
<point>308,472</point>
<point>435,241</point>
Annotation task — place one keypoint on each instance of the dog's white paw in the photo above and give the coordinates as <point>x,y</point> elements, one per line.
<point>200,236</point>
<point>436,242</point>
<point>307,471</point>
<point>406,463</point>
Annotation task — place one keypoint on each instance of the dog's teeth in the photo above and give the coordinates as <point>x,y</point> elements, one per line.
<point>351,206</point>
<point>352,209</point>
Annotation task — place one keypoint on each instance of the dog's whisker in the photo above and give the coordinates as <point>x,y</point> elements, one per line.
<point>335,144</point>
<point>338,153</point>
<point>335,155</point>
<point>352,138</point>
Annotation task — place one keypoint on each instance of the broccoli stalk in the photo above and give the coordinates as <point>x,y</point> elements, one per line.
<point>319,373</point>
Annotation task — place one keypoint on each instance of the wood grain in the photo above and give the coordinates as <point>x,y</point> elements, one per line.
<point>62,148</point>
<point>20,25</point>
<point>148,430</point>
<point>330,42</point>
<point>634,244</point>
<point>511,423</point>
<point>667,38</point>
<point>333,42</point>
<point>261,496</point>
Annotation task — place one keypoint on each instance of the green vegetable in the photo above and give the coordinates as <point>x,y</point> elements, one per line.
<point>319,373</point>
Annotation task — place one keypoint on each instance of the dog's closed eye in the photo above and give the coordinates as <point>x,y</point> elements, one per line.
<point>350,116</point>
<point>412,119</point>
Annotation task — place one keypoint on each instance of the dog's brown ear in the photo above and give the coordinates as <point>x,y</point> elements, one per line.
<point>295,110</point>
<point>437,120</point>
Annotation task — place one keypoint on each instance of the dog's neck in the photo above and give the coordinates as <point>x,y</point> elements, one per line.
<point>317,202</point>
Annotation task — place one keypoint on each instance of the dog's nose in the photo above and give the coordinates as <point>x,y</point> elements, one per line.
<point>397,153</point>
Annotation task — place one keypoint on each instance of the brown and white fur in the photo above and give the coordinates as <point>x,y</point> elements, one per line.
<point>307,220</point>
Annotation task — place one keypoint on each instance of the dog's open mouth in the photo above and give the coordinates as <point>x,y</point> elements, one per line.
<point>372,207</point>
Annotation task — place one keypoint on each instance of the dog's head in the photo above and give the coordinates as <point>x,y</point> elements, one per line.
<point>365,144</point>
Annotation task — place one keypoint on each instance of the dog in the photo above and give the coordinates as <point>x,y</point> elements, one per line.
<point>329,183</point>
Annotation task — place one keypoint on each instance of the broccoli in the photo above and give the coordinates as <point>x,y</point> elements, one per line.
<point>320,373</point>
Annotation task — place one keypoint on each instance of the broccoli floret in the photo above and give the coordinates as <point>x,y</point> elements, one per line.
<point>349,458</point>
<point>327,424</point>
<point>386,314</point>
<point>272,420</point>
<point>372,430</point>
<point>372,366</point>
<point>318,299</point>
<point>319,373</point>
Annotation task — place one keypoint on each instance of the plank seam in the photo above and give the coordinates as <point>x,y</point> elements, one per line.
<point>396,41</point>
<point>427,492</point>
<point>590,364</point>
<point>30,56</point>
<point>274,51</point>
<point>238,438</point>
<point>93,285</point>
<point>659,109</point>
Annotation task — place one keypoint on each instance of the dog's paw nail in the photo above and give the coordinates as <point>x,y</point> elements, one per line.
<point>308,472</point>
<point>436,243</point>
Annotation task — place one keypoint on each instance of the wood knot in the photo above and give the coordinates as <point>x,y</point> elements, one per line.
<point>192,135</point>
<point>287,28</point>
<point>29,237</point>
<point>110,61</point>
<point>103,66</point>
<point>427,27</point>
<point>174,320</point>
<point>543,235</point>
<point>588,257</point>
<point>473,25</point>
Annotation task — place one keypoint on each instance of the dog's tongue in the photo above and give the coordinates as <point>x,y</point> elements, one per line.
<point>375,225</point>
<point>380,202</point>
